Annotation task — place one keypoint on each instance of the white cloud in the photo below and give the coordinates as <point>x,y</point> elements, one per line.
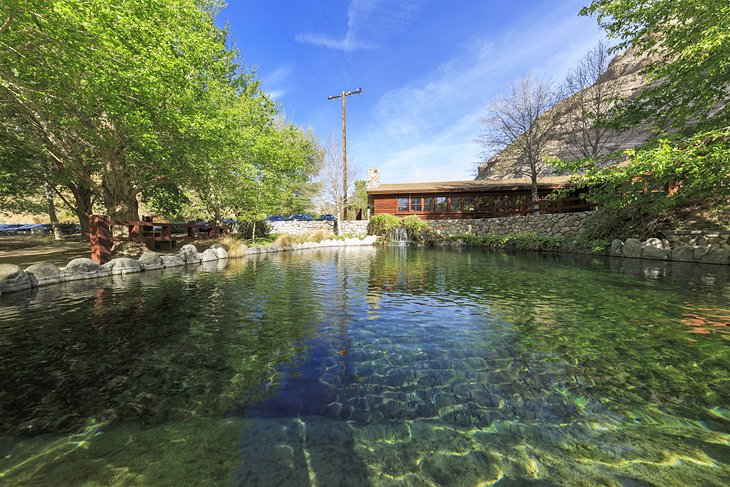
<point>369,23</point>
<point>425,130</point>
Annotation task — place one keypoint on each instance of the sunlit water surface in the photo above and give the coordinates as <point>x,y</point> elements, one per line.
<point>372,367</point>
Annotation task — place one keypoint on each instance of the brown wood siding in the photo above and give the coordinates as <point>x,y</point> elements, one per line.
<point>521,205</point>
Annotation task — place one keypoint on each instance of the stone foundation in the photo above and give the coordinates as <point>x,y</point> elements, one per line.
<point>548,225</point>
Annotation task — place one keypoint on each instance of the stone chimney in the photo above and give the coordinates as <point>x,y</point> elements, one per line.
<point>373,180</point>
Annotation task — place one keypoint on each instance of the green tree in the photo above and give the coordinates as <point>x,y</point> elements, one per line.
<point>688,44</point>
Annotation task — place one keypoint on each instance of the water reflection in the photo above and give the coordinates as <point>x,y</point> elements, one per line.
<point>363,367</point>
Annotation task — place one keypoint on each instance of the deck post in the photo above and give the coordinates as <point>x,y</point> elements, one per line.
<point>101,239</point>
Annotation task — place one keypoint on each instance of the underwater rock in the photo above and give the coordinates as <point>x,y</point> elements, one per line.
<point>13,278</point>
<point>42,273</point>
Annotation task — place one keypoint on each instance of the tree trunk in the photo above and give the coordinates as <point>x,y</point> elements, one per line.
<point>535,197</point>
<point>82,208</point>
<point>57,233</point>
<point>118,193</point>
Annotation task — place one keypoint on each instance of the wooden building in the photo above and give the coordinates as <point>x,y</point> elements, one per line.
<point>470,199</point>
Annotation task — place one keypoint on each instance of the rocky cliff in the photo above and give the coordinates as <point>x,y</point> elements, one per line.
<point>622,79</point>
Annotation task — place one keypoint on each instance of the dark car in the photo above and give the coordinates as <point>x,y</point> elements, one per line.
<point>274,218</point>
<point>301,217</point>
<point>328,217</point>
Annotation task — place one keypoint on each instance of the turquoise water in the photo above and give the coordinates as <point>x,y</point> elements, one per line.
<point>394,366</point>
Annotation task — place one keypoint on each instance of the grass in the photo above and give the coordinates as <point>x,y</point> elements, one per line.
<point>287,240</point>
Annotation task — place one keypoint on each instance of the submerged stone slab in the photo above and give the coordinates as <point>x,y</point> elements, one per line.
<point>44,273</point>
<point>13,278</point>
<point>123,265</point>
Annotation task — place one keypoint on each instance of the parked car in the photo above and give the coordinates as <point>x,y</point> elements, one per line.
<point>9,227</point>
<point>275,218</point>
<point>328,217</point>
<point>301,217</point>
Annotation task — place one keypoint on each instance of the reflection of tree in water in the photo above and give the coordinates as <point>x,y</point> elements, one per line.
<point>156,353</point>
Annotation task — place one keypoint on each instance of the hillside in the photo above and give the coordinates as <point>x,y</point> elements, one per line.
<point>622,79</point>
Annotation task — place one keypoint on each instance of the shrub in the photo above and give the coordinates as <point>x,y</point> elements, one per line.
<point>233,245</point>
<point>381,224</point>
<point>287,240</point>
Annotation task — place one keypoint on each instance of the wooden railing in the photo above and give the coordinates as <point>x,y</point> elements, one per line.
<point>102,234</point>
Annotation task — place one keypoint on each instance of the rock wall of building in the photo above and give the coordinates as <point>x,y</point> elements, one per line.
<point>549,225</point>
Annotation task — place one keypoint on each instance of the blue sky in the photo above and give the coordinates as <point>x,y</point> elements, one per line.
<point>427,69</point>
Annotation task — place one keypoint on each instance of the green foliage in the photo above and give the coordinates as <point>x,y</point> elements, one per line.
<point>521,241</point>
<point>382,224</point>
<point>689,47</point>
<point>418,229</point>
<point>631,195</point>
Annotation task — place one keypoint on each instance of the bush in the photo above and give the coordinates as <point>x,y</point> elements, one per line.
<point>382,224</point>
<point>245,227</point>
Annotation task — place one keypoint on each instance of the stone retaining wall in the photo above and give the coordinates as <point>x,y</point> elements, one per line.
<point>353,227</point>
<point>13,278</point>
<point>549,225</point>
<point>701,249</point>
<point>301,228</point>
<point>698,238</point>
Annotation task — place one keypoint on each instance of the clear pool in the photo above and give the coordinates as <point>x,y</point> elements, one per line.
<point>382,367</point>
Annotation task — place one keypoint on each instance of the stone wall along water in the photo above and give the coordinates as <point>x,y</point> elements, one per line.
<point>353,227</point>
<point>549,225</point>
<point>301,227</point>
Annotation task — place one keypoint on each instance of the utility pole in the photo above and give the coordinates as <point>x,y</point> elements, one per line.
<point>344,96</point>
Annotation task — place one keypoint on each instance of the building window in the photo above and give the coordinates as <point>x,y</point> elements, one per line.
<point>441,203</point>
<point>416,204</point>
<point>427,204</point>
<point>468,203</point>
<point>403,204</point>
<point>455,203</point>
<point>484,202</point>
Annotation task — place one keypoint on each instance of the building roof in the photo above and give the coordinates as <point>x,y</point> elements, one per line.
<point>551,182</point>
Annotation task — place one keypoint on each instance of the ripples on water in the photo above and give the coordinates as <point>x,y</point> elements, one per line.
<point>364,367</point>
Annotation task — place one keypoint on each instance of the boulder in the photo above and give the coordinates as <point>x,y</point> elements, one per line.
<point>81,266</point>
<point>652,243</point>
<point>632,248</point>
<point>42,273</point>
<point>683,253</point>
<point>150,261</point>
<point>189,254</point>
<point>716,256</point>
<point>220,252</point>
<point>652,252</point>
<point>13,278</point>
<point>700,252</point>
<point>123,265</point>
<point>616,247</point>
<point>171,261</point>
<point>208,255</point>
